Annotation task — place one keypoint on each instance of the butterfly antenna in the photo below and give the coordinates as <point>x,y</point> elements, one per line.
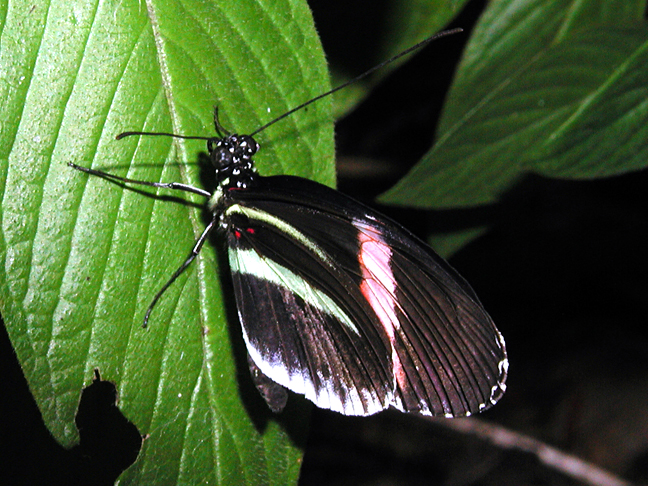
<point>361,76</point>
<point>220,130</point>
<point>160,134</point>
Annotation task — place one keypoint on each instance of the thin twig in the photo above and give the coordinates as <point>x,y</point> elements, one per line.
<point>567,464</point>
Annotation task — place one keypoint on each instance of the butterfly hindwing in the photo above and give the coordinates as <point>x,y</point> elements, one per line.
<point>350,309</point>
<point>275,395</point>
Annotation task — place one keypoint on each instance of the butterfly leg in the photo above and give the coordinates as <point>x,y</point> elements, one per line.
<point>192,256</point>
<point>166,185</point>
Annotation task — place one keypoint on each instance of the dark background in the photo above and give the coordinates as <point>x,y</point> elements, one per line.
<point>563,271</point>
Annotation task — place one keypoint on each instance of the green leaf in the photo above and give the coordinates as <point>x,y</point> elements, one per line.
<point>82,257</point>
<point>555,88</point>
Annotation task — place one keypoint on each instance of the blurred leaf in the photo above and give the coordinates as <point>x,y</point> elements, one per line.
<point>82,257</point>
<point>554,87</point>
<point>411,21</point>
<point>405,23</point>
<point>446,244</point>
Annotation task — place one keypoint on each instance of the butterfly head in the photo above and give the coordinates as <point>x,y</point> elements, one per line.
<point>232,158</point>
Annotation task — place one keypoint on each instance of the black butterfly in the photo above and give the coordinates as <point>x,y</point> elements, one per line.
<point>338,302</point>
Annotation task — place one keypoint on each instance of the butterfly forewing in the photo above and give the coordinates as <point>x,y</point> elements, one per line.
<point>347,307</point>
<point>302,324</point>
<point>453,357</point>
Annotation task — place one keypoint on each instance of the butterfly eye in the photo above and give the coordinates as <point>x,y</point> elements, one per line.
<point>249,145</point>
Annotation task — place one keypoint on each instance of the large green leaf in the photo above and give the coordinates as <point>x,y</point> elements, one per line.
<point>554,87</point>
<point>82,257</point>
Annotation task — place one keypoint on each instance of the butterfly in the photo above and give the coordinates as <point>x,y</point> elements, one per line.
<point>337,302</point>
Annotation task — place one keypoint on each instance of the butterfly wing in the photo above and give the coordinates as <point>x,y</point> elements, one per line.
<point>350,309</point>
<point>304,323</point>
<point>451,359</point>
